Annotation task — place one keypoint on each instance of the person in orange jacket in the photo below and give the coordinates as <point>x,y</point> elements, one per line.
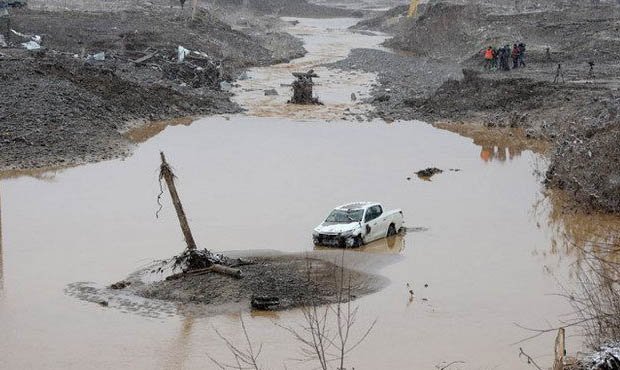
<point>488,58</point>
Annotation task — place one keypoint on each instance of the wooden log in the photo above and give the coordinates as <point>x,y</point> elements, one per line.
<point>225,270</point>
<point>219,269</point>
<point>166,174</point>
<point>144,58</point>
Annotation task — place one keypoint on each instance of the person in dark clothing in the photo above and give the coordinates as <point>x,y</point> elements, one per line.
<point>504,57</point>
<point>515,56</point>
<point>521,54</point>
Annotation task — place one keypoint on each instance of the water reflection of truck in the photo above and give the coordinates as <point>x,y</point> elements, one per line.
<point>356,224</point>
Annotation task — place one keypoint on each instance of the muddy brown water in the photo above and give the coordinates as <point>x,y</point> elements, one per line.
<point>481,237</point>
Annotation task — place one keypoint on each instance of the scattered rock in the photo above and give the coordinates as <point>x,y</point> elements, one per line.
<point>271,92</point>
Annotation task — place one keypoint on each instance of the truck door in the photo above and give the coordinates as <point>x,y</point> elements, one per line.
<point>372,223</point>
<point>380,223</point>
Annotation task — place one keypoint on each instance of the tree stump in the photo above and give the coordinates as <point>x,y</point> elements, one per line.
<point>303,88</point>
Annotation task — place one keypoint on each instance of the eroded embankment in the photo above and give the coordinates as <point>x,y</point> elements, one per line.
<point>62,107</point>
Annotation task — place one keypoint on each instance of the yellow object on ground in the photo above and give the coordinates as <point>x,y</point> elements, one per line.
<point>413,8</point>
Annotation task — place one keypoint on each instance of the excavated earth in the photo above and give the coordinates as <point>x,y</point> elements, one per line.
<point>61,107</point>
<point>436,74</point>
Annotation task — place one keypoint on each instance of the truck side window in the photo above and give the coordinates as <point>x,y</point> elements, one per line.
<point>372,213</point>
<point>378,211</point>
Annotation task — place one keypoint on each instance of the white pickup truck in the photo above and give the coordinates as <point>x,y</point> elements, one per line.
<point>355,224</point>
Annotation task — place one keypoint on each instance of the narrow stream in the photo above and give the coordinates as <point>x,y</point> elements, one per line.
<point>262,181</point>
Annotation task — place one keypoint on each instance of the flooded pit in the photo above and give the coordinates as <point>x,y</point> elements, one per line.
<point>480,238</point>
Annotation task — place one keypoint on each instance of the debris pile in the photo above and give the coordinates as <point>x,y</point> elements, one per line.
<point>192,261</point>
<point>196,70</point>
<point>302,88</point>
<point>427,173</point>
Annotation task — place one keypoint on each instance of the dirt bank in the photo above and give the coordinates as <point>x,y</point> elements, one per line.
<point>61,107</point>
<point>422,82</point>
<point>61,112</point>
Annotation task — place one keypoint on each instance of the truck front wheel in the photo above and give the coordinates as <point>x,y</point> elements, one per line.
<point>391,230</point>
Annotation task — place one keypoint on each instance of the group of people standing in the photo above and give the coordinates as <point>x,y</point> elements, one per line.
<point>499,58</point>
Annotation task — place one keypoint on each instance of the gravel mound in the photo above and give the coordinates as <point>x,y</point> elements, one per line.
<point>294,280</point>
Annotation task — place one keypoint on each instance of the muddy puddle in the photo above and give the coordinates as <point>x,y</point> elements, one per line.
<point>479,255</point>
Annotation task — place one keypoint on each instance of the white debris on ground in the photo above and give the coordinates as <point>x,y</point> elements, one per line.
<point>182,53</point>
<point>31,45</point>
<point>607,358</point>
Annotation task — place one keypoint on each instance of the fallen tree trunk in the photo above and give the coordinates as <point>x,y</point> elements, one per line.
<point>220,269</point>
<point>166,174</point>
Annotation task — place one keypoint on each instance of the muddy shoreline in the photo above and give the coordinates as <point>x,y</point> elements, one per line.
<point>436,82</point>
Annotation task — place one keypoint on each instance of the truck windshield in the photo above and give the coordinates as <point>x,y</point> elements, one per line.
<point>342,216</point>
